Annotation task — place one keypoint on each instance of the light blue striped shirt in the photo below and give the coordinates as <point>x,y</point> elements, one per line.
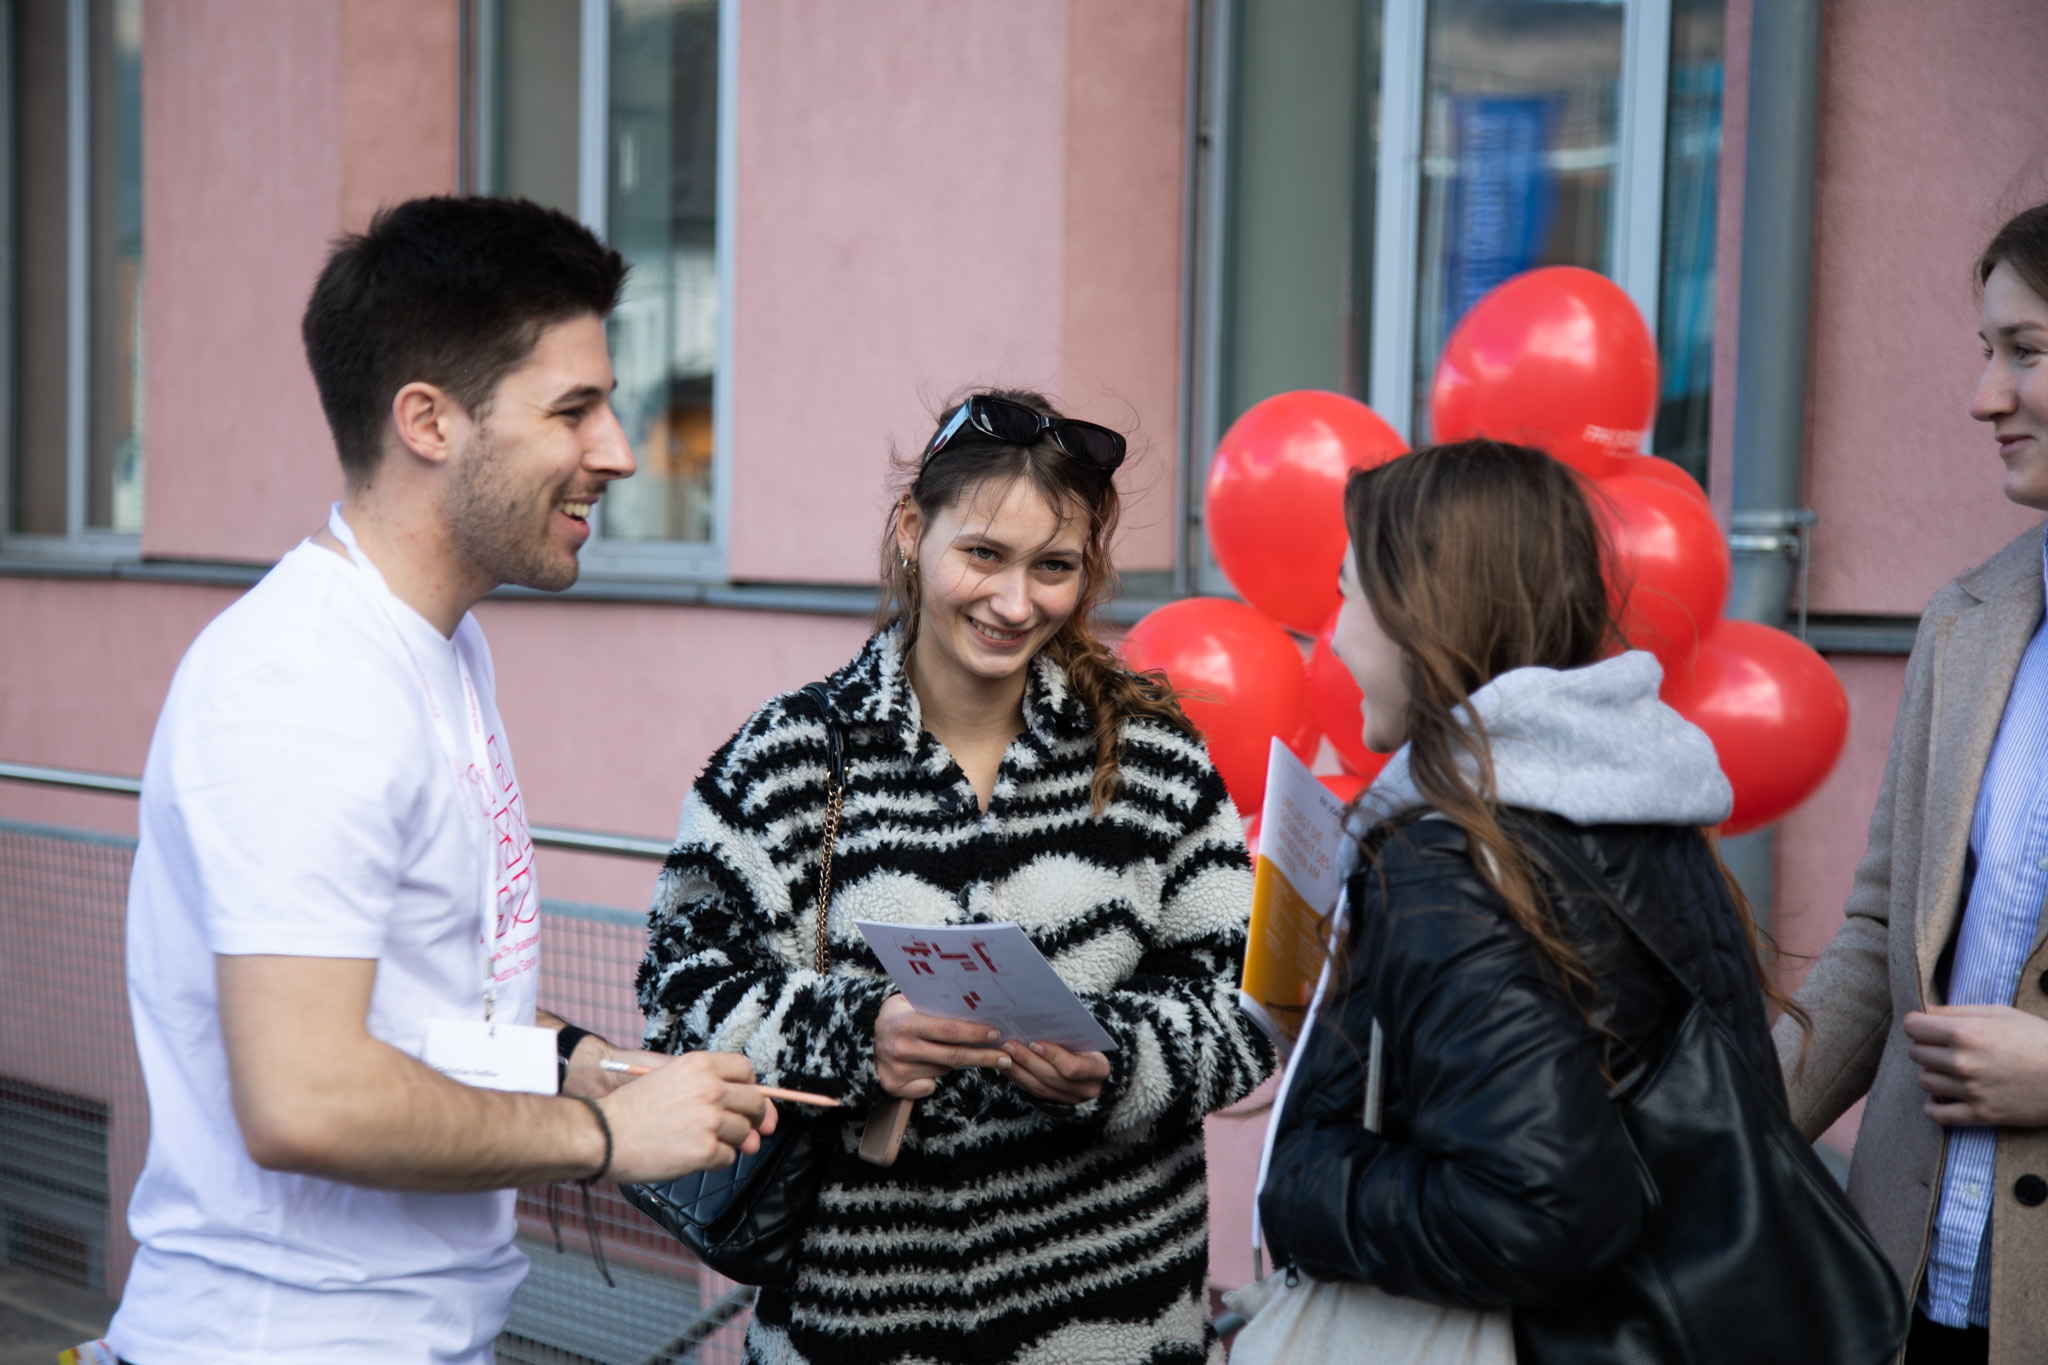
<point>2009,836</point>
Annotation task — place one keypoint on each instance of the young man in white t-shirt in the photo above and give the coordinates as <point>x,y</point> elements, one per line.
<point>334,845</point>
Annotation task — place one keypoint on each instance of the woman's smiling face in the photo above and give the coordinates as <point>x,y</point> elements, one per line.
<point>2012,394</point>
<point>999,573</point>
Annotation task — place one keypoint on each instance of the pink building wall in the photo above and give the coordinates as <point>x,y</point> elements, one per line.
<point>334,107</point>
<point>609,734</point>
<point>1931,136</point>
<point>898,236</point>
<point>935,195</point>
<point>88,698</point>
<point>1125,187</point>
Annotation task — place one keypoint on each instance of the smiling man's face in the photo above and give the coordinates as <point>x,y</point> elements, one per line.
<point>529,475</point>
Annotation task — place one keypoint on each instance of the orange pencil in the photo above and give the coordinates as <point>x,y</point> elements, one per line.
<point>776,1092</point>
<point>773,1092</point>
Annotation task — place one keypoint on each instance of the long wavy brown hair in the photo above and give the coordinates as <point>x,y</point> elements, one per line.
<point>1112,692</point>
<point>1478,557</point>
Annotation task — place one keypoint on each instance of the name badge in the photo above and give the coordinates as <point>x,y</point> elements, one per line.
<point>515,1057</point>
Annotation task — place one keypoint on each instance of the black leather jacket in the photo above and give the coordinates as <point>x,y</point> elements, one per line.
<point>1503,1177</point>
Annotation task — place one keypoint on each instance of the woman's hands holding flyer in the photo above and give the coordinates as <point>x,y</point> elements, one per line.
<point>913,1050</point>
<point>1051,1072</point>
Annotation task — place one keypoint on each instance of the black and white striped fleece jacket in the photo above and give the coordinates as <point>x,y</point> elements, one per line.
<point>1010,1230</point>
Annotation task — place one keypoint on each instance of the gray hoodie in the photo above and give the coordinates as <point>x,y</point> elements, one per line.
<point>1594,745</point>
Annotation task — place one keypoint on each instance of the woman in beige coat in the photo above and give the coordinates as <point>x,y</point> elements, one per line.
<point>1933,997</point>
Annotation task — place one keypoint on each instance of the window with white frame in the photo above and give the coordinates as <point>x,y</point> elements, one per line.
<point>71,384</point>
<point>610,110</point>
<point>1384,164</point>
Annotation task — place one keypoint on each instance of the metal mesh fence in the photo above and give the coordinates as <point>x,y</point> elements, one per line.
<point>667,1306</point>
<point>72,1111</point>
<point>74,1119</point>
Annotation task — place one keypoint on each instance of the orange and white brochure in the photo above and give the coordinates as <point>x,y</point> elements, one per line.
<point>1294,893</point>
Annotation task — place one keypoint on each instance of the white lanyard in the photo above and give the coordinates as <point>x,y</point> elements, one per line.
<point>471,778</point>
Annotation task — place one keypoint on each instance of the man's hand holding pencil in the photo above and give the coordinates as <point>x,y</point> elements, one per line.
<point>618,1067</point>
<point>698,1111</point>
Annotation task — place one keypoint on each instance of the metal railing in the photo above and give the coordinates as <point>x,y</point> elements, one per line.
<point>547,836</point>
<point>74,1118</point>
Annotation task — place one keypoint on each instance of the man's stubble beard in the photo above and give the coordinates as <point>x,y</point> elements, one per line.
<point>494,524</point>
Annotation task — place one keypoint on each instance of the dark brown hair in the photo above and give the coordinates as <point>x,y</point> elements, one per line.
<point>1112,692</point>
<point>2022,244</point>
<point>450,291</point>
<point>1478,557</point>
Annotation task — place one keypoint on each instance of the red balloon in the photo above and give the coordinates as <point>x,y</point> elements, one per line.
<point>1344,786</point>
<point>1244,681</point>
<point>1557,358</point>
<point>1662,470</point>
<point>1776,712</point>
<point>1669,570</point>
<point>1333,702</point>
<point>1275,505</point>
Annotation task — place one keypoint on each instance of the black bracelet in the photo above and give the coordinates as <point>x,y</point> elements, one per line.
<point>604,1126</point>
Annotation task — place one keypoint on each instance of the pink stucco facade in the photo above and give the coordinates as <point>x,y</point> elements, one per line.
<point>898,237</point>
<point>930,195</point>
<point>905,230</point>
<point>1929,140</point>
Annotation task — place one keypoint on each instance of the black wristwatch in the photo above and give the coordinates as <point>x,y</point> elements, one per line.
<point>565,1046</point>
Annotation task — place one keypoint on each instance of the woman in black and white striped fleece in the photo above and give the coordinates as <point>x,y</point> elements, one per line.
<point>1003,765</point>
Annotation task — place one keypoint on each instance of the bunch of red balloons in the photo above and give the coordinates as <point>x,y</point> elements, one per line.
<point>1275,512</point>
<point>1560,359</point>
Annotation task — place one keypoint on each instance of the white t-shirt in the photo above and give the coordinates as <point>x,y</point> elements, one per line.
<point>298,802</point>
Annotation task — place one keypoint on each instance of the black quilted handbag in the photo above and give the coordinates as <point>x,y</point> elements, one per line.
<point>1750,1251</point>
<point>747,1220</point>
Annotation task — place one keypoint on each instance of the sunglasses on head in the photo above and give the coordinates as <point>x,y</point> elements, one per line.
<point>1014,424</point>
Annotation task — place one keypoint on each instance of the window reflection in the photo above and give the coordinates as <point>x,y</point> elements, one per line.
<point>538,46</point>
<point>662,213</point>
<point>1520,143</point>
<point>56,425</point>
<point>1304,136</point>
<point>114,416</point>
<point>42,375</point>
<point>659,210</point>
<point>1692,170</point>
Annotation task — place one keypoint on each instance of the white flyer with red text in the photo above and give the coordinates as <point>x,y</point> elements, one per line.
<point>989,972</point>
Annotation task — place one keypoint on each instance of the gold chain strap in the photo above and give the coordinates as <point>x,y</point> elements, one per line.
<point>832,803</point>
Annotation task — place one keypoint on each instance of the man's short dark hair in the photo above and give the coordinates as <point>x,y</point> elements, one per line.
<point>449,291</point>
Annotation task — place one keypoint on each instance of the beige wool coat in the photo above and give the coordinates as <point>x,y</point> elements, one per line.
<point>1904,908</point>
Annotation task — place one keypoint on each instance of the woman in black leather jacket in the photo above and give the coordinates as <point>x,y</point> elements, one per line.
<point>1476,622</point>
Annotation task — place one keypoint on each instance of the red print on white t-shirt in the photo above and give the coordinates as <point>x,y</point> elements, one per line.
<point>517,903</point>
